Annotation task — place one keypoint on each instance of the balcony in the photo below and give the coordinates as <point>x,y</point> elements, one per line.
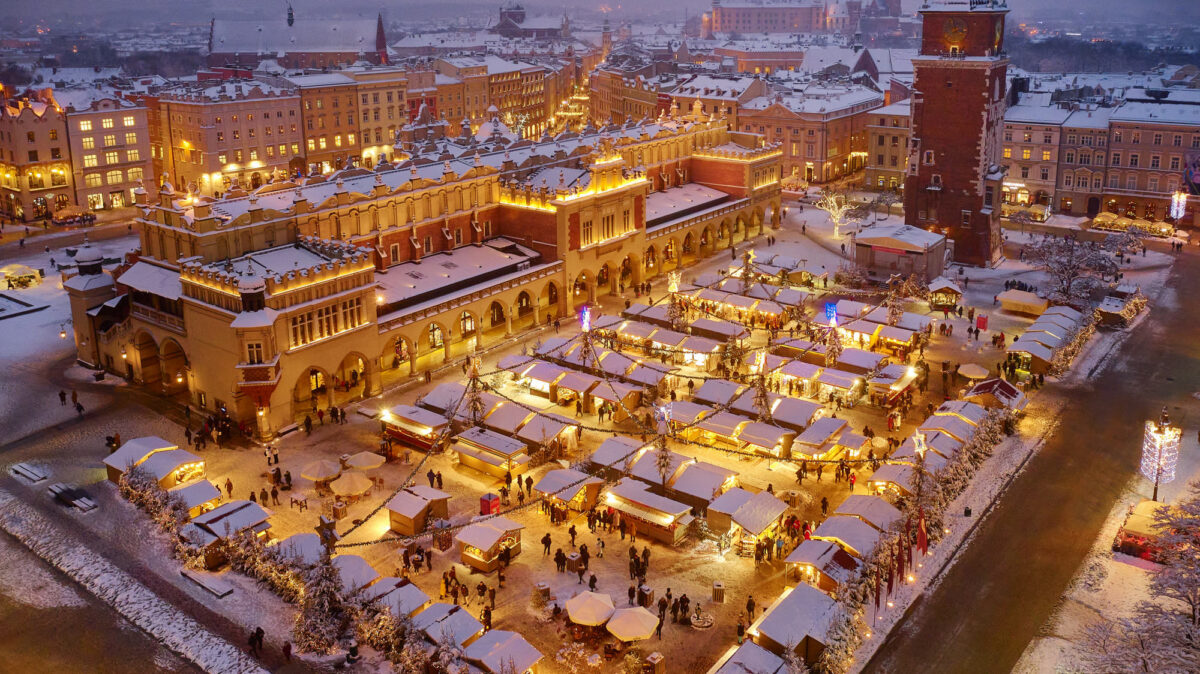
<point>259,374</point>
<point>160,318</point>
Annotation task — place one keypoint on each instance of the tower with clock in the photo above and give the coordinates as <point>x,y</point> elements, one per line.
<point>954,174</point>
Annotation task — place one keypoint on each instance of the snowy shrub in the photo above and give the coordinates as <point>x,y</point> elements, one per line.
<point>319,621</point>
<point>633,662</point>
<point>573,658</point>
<point>1075,343</point>
<point>850,276</point>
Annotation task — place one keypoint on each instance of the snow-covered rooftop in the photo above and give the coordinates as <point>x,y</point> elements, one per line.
<point>801,612</point>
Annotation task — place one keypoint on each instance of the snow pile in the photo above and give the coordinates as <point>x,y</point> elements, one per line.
<point>127,596</point>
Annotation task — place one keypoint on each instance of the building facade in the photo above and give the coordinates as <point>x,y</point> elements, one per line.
<point>1032,137</point>
<point>109,147</point>
<point>954,172</point>
<point>887,147</point>
<point>36,178</point>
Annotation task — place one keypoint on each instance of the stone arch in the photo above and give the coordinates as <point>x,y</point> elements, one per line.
<point>550,300</point>
<point>496,316</point>
<point>650,262</point>
<point>173,365</point>
<point>397,355</point>
<point>688,247</point>
<point>142,359</point>
<point>725,233</point>
<point>583,289</point>
<point>311,392</point>
<point>630,270</point>
<point>355,378</point>
<point>706,242</point>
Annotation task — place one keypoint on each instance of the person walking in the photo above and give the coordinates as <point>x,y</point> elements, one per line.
<point>287,651</point>
<point>658,629</point>
<point>571,533</point>
<point>579,570</point>
<point>824,506</point>
<point>431,476</point>
<point>750,606</point>
<point>546,545</point>
<point>62,398</point>
<point>229,488</point>
<point>253,640</point>
<point>274,495</point>
<point>439,479</point>
<point>632,594</point>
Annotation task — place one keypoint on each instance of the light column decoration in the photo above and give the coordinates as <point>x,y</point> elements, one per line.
<point>675,311</point>
<point>1178,206</point>
<point>1160,451</point>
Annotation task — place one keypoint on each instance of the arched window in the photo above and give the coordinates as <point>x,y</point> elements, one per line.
<point>436,340</point>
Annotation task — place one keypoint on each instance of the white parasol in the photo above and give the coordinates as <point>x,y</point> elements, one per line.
<point>632,624</point>
<point>365,461</point>
<point>320,471</point>
<point>350,484</point>
<point>973,371</point>
<point>589,608</point>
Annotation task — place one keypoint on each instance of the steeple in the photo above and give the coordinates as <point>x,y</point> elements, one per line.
<point>291,16</point>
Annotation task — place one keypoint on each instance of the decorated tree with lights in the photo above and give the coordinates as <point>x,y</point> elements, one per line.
<point>319,621</point>
<point>473,398</point>
<point>841,211</point>
<point>663,460</point>
<point>901,289</point>
<point>833,344</point>
<point>448,656</point>
<point>792,662</point>
<point>762,398</point>
<point>573,658</point>
<point>676,312</point>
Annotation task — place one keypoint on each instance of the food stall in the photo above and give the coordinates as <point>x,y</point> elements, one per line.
<point>871,509</point>
<point>575,386</point>
<point>756,516</point>
<point>997,392</point>
<point>547,429</point>
<point>1022,302</point>
<point>721,331</point>
<point>852,446</point>
<point>133,453</point>
<point>1139,535</point>
<point>701,352</point>
<point>197,497</point>
<point>225,521</point>
<point>798,377</point>
<point>18,276</point>
<point>504,652</point>
<point>821,563</point>
<point>1031,357</point>
<point>944,294</point>
<point>891,382</point>
<point>718,392</point>
<point>795,413</point>
<point>721,428</point>
<point>480,543</point>
<point>173,467</point>
<point>816,442</point>
<point>570,488</point>
<point>491,453</point>
<point>699,482</point>
<point>625,398</point>
<point>855,536</point>
<point>412,507</point>
<point>847,386</point>
<point>897,478</point>
<point>799,619</point>
<point>768,439</point>
<point>414,426</point>
<point>682,416</point>
<point>657,517</point>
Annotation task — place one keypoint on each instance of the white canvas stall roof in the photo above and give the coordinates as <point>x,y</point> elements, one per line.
<point>613,391</point>
<point>723,423</point>
<point>908,320</point>
<point>135,451</point>
<point>896,333</point>
<point>942,284</point>
<point>800,369</point>
<point>839,379</point>
<point>858,537</point>
<point>579,382</point>
<point>750,658</point>
<point>718,391</point>
<point>730,501</point>
<point>892,373</point>
<point>1042,337</point>
<point>801,612</point>
<point>649,504</point>
<point>446,621</point>
<point>852,308</point>
<point>613,451</point>
<point>501,444</point>
<point>953,426</point>
<point>898,474</point>
<point>759,512</point>
<point>416,417</point>
<point>507,417</point>
<point>231,517</point>
<point>565,483</point>
<point>152,279</point>
<point>907,453</point>
<point>821,431</point>
<point>498,649</point>
<point>607,322</point>
<point>407,504</point>
<point>636,329</point>
<point>1039,351</point>
<point>1061,310</point>
<point>544,427</point>
<point>871,509</point>
<point>668,338</point>
<point>646,468</point>
<point>398,595</point>
<point>686,411</point>
<point>697,344</point>
<point>902,237</point>
<point>701,479</point>
<point>710,295</point>
<point>646,375</point>
<point>795,412</point>
<point>443,398</point>
<point>354,572</point>
<point>762,434</point>
<point>719,327</point>
<point>961,408</point>
<point>303,548</point>
<point>863,360</point>
<point>195,493</point>
<point>827,556</point>
<point>485,534</point>
<point>161,464</point>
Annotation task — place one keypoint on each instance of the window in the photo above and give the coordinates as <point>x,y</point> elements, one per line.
<point>1024,171</point>
<point>250,133</point>
<point>1158,139</point>
<point>428,247</point>
<point>1045,173</point>
<point>311,145</point>
<point>1175,163</point>
<point>220,136</point>
<point>1045,155</point>
<point>111,157</point>
<point>218,120</point>
<point>1155,161</point>
<point>1116,159</point>
<point>133,155</point>
<point>1176,140</point>
<point>1070,157</point>
<point>89,160</point>
<point>966,218</point>
<point>131,138</point>
<point>114,177</point>
<point>222,159</point>
<point>928,158</point>
<point>1152,184</point>
<point>1114,181</point>
<point>85,125</point>
<point>1067,180</point>
<point>237,134</point>
<point>254,154</point>
<point>1047,138</point>
<point>585,233</point>
<point>302,329</point>
<point>1133,161</point>
<point>322,142</point>
<point>110,139</point>
<point>128,120</point>
<point>283,149</point>
<point>1026,153</point>
<point>1116,136</point>
<point>254,353</point>
<point>1131,183</point>
<point>1008,153</point>
<point>134,174</point>
<point>458,237</point>
<point>106,123</point>
<point>89,143</point>
<point>92,180</point>
<point>55,153</point>
<point>350,138</point>
<point>1136,138</point>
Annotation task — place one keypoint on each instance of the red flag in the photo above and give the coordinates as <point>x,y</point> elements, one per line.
<point>908,549</point>
<point>900,563</point>
<point>877,589</point>
<point>922,534</point>
<point>891,573</point>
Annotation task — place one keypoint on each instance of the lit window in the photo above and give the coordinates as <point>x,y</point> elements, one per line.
<point>106,123</point>
<point>322,142</point>
<point>1025,153</point>
<point>114,177</point>
<point>350,139</point>
<point>92,180</point>
<point>89,143</point>
<point>1008,153</point>
<point>133,155</point>
<point>85,125</point>
<point>312,145</point>
<point>110,140</point>
<point>135,174</point>
<point>128,120</point>
<point>111,157</point>
<point>282,150</point>
<point>89,160</point>
<point>222,159</point>
<point>337,140</point>
<point>131,138</point>
<point>1045,155</point>
<point>253,155</point>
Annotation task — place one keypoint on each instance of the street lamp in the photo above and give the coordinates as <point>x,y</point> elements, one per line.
<point>1160,451</point>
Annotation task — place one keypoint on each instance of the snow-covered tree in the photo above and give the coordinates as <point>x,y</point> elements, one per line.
<point>448,656</point>
<point>1075,268</point>
<point>319,621</point>
<point>573,658</point>
<point>833,346</point>
<point>841,211</point>
<point>792,662</point>
<point>884,201</point>
<point>663,460</point>
<point>762,400</point>
<point>413,655</point>
<point>1126,242</point>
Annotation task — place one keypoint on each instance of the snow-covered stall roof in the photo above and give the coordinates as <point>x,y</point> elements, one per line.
<point>827,556</point>
<point>228,519</point>
<point>507,417</point>
<point>730,501</point>
<point>821,431</point>
<point>580,382</point>
<point>851,308</point>
<point>858,537</point>
<point>442,621</point>
<point>354,572</point>
<point>759,512</point>
<point>1061,310</point>
<point>1039,351</point>
<point>161,464</point>
<point>795,411</point>
<point>498,650</point>
<point>565,483</point>
<point>614,451</point>
<point>801,611</point>
<point>136,450</point>
<point>1002,391</point>
<point>871,509</point>
<point>698,344</point>
<point>701,480</point>
<point>1022,301</point>
<point>715,326</point>
<point>723,423</point>
<point>646,504</point>
<point>907,453</point>
<point>907,321</point>
<point>500,444</point>
<point>487,533</point>
<point>303,548</point>
<point>902,237</point>
<point>942,284</point>
<point>952,426</point>
<point>718,391</point>
<point>968,411</point>
<point>613,391</point>
<point>544,427</point>
<point>399,595</point>
<point>839,379</point>
<point>414,417</point>
<point>686,411</point>
<point>859,360</point>
<point>897,474</point>
<point>646,467</point>
<point>750,658</point>
<point>762,434</point>
<point>800,369</point>
<point>195,493</point>
<point>407,504</point>
<point>1047,339</point>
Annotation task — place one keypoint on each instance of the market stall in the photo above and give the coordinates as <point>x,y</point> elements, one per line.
<point>702,353</point>
<point>657,517</point>
<point>481,543</point>
<point>871,509</point>
<point>414,426</point>
<point>623,397</point>
<point>797,376</point>
<point>1022,302</point>
<point>718,392</point>
<point>196,497</point>
<point>133,453</point>
<point>721,331</point>
<point>944,294</point>
<point>614,455</point>
<point>821,563</point>
<point>895,478</point>
<point>400,596</point>
<point>450,624</point>
<point>816,442</point>
<point>570,488</point>
<point>997,393</point>
<point>1031,357</point>
<point>354,573</point>
<point>504,652</point>
<point>173,467</point>
<point>682,416</point>
<point>699,482</point>
<point>889,383</point>
<point>575,386</point>
<point>795,413</point>
<point>721,428</point>
<point>491,453</point>
<point>854,535</point>
<point>412,507</point>
<point>549,430</point>
<point>227,520</point>
<point>768,439</point>
<point>1140,534</point>
<point>799,619</point>
<point>836,384</point>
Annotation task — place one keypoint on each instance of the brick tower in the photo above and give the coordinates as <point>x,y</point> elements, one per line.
<point>954,173</point>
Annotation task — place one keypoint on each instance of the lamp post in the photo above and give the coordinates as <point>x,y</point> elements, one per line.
<point>1160,451</point>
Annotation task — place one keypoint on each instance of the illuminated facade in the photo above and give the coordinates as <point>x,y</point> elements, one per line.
<point>316,292</point>
<point>35,168</point>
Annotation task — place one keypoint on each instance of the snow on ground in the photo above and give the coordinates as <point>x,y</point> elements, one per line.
<point>32,584</point>
<point>130,598</point>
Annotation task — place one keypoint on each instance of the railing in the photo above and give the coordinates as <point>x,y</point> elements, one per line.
<point>159,318</point>
<point>671,227</point>
<point>259,373</point>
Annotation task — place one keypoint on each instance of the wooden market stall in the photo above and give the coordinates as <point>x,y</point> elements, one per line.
<point>891,382</point>
<point>197,497</point>
<point>225,521</point>
<point>504,652</point>
<point>547,429</point>
<point>799,377</point>
<point>173,467</point>
<point>682,415</point>
<point>718,392</point>
<point>570,488</point>
<point>491,453</point>
<point>821,563</point>
<point>1022,302</point>
<point>767,439</point>
<point>997,392</point>
<point>896,478</point>
<point>748,658</point>
<point>854,535</point>
<point>1140,533</point>
<point>614,454</point>
<point>400,596</point>
<point>944,294</point>
<point>816,442</point>
<point>414,426</point>
<point>746,518</point>
<point>698,482</point>
<point>574,386</point>
<point>871,509</point>
<point>133,453</point>
<point>412,507</point>
<point>795,413</point>
<point>701,352</point>
<point>656,517</point>
<point>624,398</point>
<point>448,623</point>
<point>1031,357</point>
<point>721,428</point>
<point>482,542</point>
<point>799,619</point>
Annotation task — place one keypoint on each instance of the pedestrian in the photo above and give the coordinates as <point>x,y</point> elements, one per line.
<point>62,398</point>
<point>750,605</point>
<point>529,485</point>
<point>439,479</point>
<point>274,495</point>
<point>546,545</point>
<point>267,454</point>
<point>79,409</point>
<point>675,611</point>
<point>431,476</point>
<point>824,506</point>
<point>579,570</point>
<point>262,496</point>
<point>571,533</point>
<point>321,416</point>
<point>229,487</point>
<point>254,643</point>
<point>741,630</point>
<point>658,629</point>
<point>853,479</point>
<point>599,548</point>
<point>74,397</point>
<point>560,560</point>
<point>632,594</point>
<point>592,583</point>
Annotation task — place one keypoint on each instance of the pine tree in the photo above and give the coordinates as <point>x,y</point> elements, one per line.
<point>663,459</point>
<point>833,346</point>
<point>319,620</point>
<point>762,399</point>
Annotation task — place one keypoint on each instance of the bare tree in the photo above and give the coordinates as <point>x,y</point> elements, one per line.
<point>1075,267</point>
<point>841,211</point>
<point>885,200</point>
